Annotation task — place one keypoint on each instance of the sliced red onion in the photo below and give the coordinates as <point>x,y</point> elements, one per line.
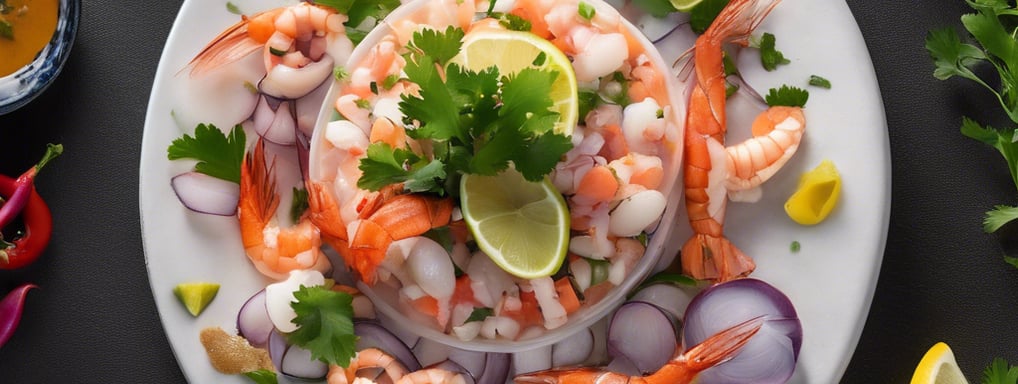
<point>537,359</point>
<point>452,366</point>
<point>669,297</point>
<point>650,344</point>
<point>277,125</point>
<point>286,82</point>
<point>573,350</point>
<point>206,194</point>
<point>372,335</point>
<point>277,348</point>
<point>297,362</point>
<point>253,321</point>
<point>472,361</point>
<point>496,368</point>
<point>771,354</point>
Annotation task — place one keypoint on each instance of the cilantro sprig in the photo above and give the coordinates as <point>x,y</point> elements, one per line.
<point>991,25</point>
<point>479,122</point>
<point>787,96</point>
<point>770,56</point>
<point>1000,372</point>
<point>219,154</point>
<point>325,324</point>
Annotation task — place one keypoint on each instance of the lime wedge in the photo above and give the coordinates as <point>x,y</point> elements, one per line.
<point>685,5</point>
<point>523,226</point>
<point>512,51</point>
<point>196,296</point>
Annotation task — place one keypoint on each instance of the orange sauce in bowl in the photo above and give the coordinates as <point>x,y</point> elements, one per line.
<point>31,23</point>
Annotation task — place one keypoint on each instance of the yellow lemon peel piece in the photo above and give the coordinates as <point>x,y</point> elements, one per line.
<point>816,195</point>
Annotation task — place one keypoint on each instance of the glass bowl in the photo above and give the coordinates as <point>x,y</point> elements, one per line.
<point>386,297</point>
<point>20,87</point>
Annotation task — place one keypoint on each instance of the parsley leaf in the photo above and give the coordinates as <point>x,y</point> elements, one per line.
<point>787,96</point>
<point>325,325</point>
<point>262,376</point>
<point>219,155</point>
<point>1000,372</point>
<point>770,57</point>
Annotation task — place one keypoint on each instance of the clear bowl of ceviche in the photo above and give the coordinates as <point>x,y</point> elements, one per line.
<point>632,133</point>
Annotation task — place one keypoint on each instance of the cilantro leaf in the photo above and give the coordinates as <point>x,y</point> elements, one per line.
<point>656,8</point>
<point>219,155</point>
<point>1011,260</point>
<point>513,22</point>
<point>232,8</point>
<point>357,11</point>
<point>1000,372</point>
<point>1003,140</point>
<point>299,204</point>
<point>787,96</point>
<point>441,46</point>
<point>998,217</point>
<point>479,314</point>
<point>770,57</point>
<point>384,165</point>
<point>701,16</point>
<point>262,376</point>
<point>586,11</point>
<point>951,56</point>
<point>325,325</point>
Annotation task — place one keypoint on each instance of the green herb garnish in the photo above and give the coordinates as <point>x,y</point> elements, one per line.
<point>232,8</point>
<point>1000,372</point>
<point>299,205</point>
<point>787,96</point>
<point>325,325</point>
<point>770,57</point>
<point>818,81</point>
<point>262,376</point>
<point>479,314</point>
<point>586,11</point>
<point>219,155</point>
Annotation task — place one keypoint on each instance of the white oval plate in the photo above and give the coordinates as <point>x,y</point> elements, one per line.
<point>830,280</point>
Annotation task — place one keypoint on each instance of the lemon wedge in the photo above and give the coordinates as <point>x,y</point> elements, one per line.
<point>938,366</point>
<point>816,195</point>
<point>522,226</point>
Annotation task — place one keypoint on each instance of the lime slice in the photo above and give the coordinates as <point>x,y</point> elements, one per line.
<point>685,5</point>
<point>512,51</point>
<point>938,366</point>
<point>523,226</point>
<point>196,296</point>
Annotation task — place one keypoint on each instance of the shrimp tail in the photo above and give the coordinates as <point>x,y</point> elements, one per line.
<point>258,200</point>
<point>231,45</point>
<point>715,258</point>
<point>720,347</point>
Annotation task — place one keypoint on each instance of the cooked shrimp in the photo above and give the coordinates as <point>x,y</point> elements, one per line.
<point>274,251</point>
<point>776,136</point>
<point>275,31</point>
<point>708,254</point>
<point>366,358</point>
<point>681,369</point>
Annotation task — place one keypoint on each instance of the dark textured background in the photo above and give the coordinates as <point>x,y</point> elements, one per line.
<point>94,320</point>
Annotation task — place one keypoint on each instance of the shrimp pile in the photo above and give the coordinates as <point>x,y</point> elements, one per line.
<point>712,171</point>
<point>616,179</point>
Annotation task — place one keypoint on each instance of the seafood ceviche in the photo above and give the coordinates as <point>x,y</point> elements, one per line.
<point>490,171</point>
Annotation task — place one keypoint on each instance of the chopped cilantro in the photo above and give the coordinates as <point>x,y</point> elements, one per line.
<point>262,376</point>
<point>325,325</point>
<point>479,314</point>
<point>6,30</point>
<point>390,81</point>
<point>362,103</point>
<point>586,11</point>
<point>358,11</point>
<point>339,73</point>
<point>770,57</point>
<point>795,247</point>
<point>479,122</point>
<point>818,81</point>
<point>219,155</point>
<point>701,16</point>
<point>588,100</point>
<point>512,22</point>
<point>232,8</point>
<point>787,96</point>
<point>1000,372</point>
<point>656,8</point>
<point>300,203</point>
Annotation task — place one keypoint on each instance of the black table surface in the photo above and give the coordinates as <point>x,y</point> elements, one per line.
<point>95,321</point>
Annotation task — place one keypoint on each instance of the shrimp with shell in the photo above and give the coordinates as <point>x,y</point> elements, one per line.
<point>712,171</point>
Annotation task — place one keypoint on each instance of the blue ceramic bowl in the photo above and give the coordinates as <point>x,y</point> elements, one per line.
<point>20,87</point>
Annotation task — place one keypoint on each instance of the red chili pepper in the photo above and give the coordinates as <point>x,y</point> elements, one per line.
<point>25,185</point>
<point>10,311</point>
<point>38,227</point>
